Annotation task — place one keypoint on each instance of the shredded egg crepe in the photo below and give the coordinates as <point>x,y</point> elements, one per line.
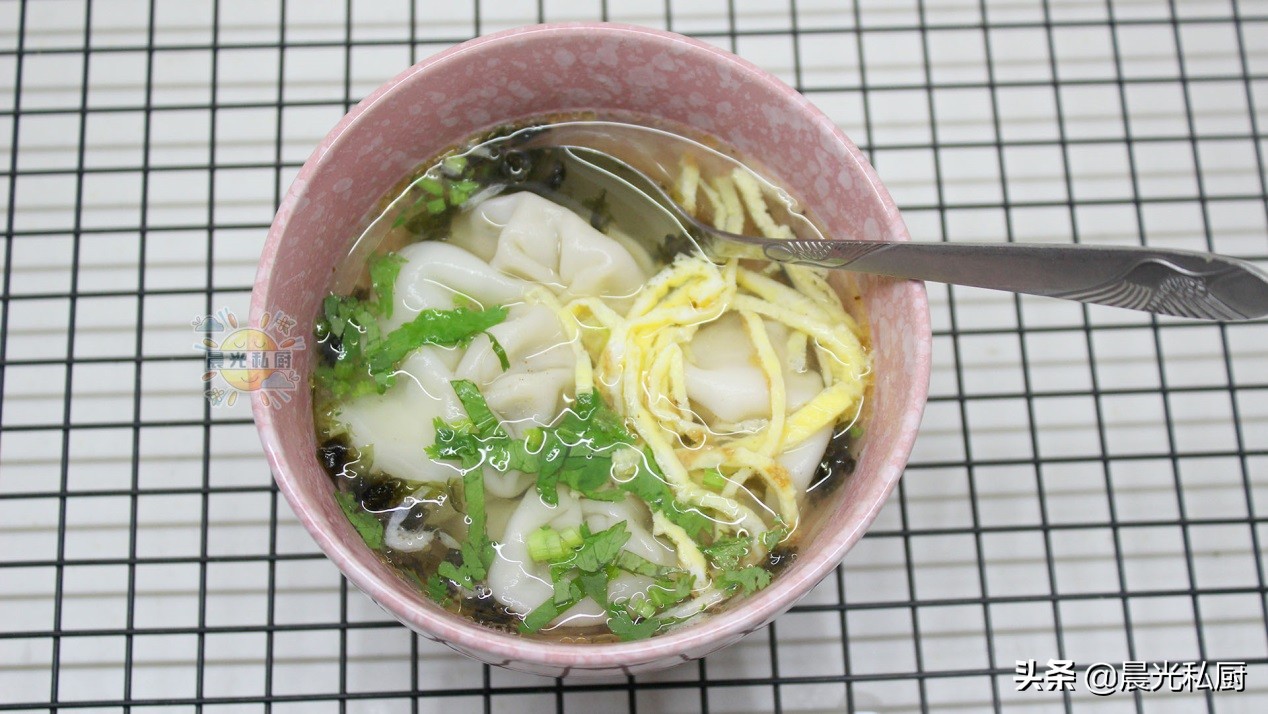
<point>639,366</point>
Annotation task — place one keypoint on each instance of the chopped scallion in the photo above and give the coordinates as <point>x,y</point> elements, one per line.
<point>546,546</point>
<point>713,480</point>
<point>644,607</point>
<point>432,185</point>
<point>454,165</point>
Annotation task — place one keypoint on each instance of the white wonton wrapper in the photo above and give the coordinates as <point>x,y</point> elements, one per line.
<point>521,584</point>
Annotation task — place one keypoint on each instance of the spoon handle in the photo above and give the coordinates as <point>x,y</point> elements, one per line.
<point>1171,282</point>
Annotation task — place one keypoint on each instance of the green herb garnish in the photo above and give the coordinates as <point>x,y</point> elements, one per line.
<point>726,553</point>
<point>750,579</point>
<point>577,572</point>
<point>442,191</point>
<point>367,524</point>
<point>649,484</point>
<point>384,270</point>
<point>477,550</point>
<point>548,611</point>
<point>437,589</point>
<point>625,627</point>
<point>367,362</point>
<point>577,452</point>
<point>601,548</point>
<point>671,590</point>
<point>713,480</point>
<point>774,536</point>
<point>446,328</point>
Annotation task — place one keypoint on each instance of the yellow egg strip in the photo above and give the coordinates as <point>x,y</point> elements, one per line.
<point>841,344</point>
<point>769,362</point>
<point>776,292</point>
<point>731,199</point>
<point>829,366</point>
<point>812,282</point>
<point>751,193</point>
<point>678,381</point>
<point>596,308</point>
<point>736,481</point>
<point>798,350</point>
<point>736,515</point>
<point>689,554</point>
<point>827,407</point>
<point>775,476</point>
<point>747,463</point>
<point>678,274</point>
<point>643,366</point>
<point>662,404</point>
<point>584,371</point>
<point>715,202</point>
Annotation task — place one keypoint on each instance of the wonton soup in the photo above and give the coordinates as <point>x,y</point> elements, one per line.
<point>555,431</point>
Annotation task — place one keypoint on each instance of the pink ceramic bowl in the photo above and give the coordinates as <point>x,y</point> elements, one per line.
<point>614,71</point>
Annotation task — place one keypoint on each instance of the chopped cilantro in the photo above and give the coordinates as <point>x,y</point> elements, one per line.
<point>624,626</point>
<point>774,537</point>
<point>366,361</point>
<point>750,579</point>
<point>595,586</point>
<point>482,418</point>
<point>587,570</point>
<point>446,328</point>
<point>477,549</point>
<point>384,270</point>
<point>437,589</point>
<point>460,576</point>
<point>577,452</point>
<point>671,590</point>
<point>543,614</point>
<point>352,325</point>
<point>632,562</point>
<point>649,484</point>
<point>726,553</point>
<point>600,549</point>
<point>496,346</point>
<point>443,190</point>
<point>368,526</point>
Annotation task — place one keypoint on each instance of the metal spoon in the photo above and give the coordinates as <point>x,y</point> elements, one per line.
<point>1171,282</point>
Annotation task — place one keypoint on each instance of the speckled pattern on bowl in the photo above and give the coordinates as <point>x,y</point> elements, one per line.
<point>611,70</point>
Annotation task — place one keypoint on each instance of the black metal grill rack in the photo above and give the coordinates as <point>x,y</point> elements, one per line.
<point>1085,487</point>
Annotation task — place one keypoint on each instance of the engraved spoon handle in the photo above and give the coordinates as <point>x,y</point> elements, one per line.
<point>1171,282</point>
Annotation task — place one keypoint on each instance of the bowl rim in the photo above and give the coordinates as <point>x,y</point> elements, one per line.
<point>472,637</point>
